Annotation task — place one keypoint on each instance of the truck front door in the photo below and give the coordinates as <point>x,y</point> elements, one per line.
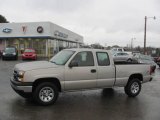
<point>84,74</point>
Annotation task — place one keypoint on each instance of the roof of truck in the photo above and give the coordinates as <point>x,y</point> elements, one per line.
<point>86,49</point>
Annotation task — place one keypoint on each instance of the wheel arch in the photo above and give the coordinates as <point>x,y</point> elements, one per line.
<point>48,79</point>
<point>136,75</point>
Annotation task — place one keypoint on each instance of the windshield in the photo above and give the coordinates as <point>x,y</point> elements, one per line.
<point>10,50</point>
<point>29,50</point>
<point>62,57</point>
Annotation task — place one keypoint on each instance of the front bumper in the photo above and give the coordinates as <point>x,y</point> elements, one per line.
<point>147,78</point>
<point>25,87</point>
<point>29,57</point>
<point>9,56</point>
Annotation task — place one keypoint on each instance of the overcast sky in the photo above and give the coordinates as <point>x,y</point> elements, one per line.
<point>108,22</point>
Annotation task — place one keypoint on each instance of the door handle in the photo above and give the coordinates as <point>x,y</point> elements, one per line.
<point>93,70</point>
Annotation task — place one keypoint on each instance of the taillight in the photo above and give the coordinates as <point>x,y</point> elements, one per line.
<point>151,70</point>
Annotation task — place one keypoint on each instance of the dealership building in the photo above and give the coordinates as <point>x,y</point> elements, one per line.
<point>45,37</point>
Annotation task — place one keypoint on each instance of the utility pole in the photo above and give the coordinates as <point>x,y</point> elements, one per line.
<point>145,29</point>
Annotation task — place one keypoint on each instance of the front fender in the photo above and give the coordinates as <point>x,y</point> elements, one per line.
<point>31,76</point>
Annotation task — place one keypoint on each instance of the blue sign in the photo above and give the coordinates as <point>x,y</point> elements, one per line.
<point>7,30</point>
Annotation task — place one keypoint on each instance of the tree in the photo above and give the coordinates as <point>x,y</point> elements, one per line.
<point>97,46</point>
<point>3,19</point>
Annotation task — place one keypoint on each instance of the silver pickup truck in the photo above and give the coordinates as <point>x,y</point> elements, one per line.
<point>77,69</point>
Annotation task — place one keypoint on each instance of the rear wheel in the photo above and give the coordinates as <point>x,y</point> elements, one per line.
<point>45,93</point>
<point>133,87</point>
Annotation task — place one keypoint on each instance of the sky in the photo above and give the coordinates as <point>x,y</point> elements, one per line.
<point>107,22</point>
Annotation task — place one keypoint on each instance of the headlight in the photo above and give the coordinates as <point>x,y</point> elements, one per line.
<point>4,53</point>
<point>14,53</point>
<point>20,75</point>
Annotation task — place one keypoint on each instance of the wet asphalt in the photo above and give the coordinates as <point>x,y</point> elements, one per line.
<point>106,104</point>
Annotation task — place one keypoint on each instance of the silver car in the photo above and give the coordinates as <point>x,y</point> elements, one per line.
<point>122,57</point>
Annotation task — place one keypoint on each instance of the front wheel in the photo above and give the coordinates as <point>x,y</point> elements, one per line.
<point>133,87</point>
<point>45,93</point>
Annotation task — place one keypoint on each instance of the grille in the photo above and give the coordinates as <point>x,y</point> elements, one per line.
<point>28,55</point>
<point>15,75</point>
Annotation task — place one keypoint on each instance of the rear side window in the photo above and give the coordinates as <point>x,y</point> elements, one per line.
<point>103,59</point>
<point>84,58</point>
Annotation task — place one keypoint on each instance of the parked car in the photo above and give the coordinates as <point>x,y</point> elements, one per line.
<point>115,50</point>
<point>122,57</point>
<point>157,60</point>
<point>77,69</point>
<point>10,53</point>
<point>147,60</point>
<point>29,54</point>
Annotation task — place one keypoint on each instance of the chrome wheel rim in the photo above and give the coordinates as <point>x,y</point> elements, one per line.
<point>135,88</point>
<point>46,94</point>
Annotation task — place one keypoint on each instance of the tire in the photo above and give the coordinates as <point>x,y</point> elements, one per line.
<point>43,98</point>
<point>133,87</point>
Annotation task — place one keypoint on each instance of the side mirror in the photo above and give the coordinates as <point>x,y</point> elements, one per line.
<point>73,64</point>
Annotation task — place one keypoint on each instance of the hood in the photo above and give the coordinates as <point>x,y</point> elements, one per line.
<point>34,65</point>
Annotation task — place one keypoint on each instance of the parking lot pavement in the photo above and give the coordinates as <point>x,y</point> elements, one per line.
<point>107,104</point>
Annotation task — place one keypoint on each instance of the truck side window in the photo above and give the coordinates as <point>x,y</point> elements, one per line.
<point>84,58</point>
<point>103,59</point>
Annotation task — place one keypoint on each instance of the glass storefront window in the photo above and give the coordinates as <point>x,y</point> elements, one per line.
<point>42,46</point>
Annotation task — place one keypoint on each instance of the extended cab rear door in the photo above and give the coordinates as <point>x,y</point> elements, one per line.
<point>105,70</point>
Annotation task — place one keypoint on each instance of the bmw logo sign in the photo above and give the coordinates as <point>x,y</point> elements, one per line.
<point>40,29</point>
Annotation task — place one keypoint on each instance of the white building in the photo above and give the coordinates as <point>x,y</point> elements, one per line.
<point>45,37</point>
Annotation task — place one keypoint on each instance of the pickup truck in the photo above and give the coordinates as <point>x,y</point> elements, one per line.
<point>77,69</point>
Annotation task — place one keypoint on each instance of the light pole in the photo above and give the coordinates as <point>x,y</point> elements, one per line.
<point>145,28</point>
